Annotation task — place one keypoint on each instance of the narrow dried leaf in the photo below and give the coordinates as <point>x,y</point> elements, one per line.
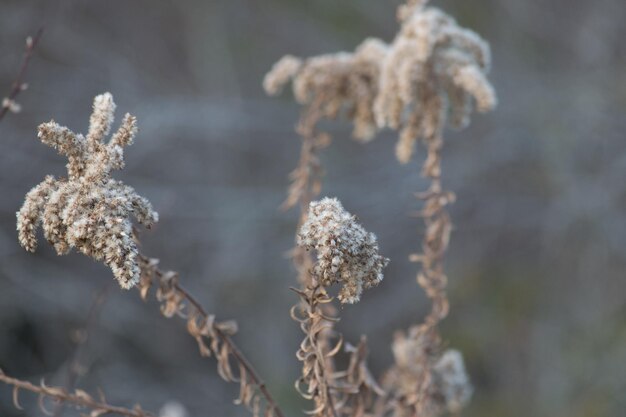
<point>16,394</point>
<point>42,406</point>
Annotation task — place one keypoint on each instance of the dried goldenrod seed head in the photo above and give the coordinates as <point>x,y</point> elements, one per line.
<point>433,72</point>
<point>346,253</point>
<point>451,381</point>
<point>429,76</point>
<point>330,84</point>
<point>432,383</point>
<point>89,210</point>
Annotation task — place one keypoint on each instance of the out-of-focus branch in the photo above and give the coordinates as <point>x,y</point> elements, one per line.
<point>8,103</point>
<point>75,368</point>
<point>79,399</point>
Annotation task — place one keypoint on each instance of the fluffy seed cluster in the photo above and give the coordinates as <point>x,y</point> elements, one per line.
<point>451,381</point>
<point>332,83</point>
<point>433,70</point>
<point>89,210</point>
<point>346,253</point>
<point>424,382</point>
<point>428,76</point>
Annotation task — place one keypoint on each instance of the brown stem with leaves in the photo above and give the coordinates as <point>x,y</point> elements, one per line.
<point>176,300</point>
<point>438,227</point>
<point>431,277</point>
<point>79,399</point>
<point>8,103</point>
<point>318,315</point>
<point>313,351</point>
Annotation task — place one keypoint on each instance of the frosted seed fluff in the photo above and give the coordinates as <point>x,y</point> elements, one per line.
<point>346,253</point>
<point>88,210</point>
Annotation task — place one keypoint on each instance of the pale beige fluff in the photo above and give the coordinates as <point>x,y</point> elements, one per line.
<point>89,210</point>
<point>346,253</point>
<point>426,381</point>
<point>451,381</point>
<point>429,76</point>
<point>329,84</point>
<point>433,71</point>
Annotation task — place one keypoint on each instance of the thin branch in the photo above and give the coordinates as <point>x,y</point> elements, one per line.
<point>79,399</point>
<point>19,85</point>
<point>75,364</point>
<point>200,325</point>
<point>235,351</point>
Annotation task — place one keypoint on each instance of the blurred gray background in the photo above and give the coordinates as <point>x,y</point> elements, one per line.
<point>537,260</point>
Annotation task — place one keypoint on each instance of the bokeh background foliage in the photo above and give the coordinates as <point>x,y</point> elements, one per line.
<point>538,252</point>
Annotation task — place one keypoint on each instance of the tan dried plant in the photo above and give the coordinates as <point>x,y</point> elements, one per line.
<point>329,84</point>
<point>427,78</point>
<point>433,72</point>
<point>326,86</point>
<point>78,399</point>
<point>91,212</point>
<point>431,75</point>
<point>346,254</point>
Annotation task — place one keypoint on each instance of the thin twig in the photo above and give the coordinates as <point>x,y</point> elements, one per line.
<point>79,398</point>
<point>19,85</point>
<point>178,293</point>
<point>75,365</point>
<point>236,352</point>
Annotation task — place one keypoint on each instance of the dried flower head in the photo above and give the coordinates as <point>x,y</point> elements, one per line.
<point>346,252</point>
<point>425,382</point>
<point>428,76</point>
<point>89,210</point>
<point>433,68</point>
<point>451,381</point>
<point>328,84</point>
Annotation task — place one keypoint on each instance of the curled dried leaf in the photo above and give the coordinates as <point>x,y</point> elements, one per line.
<point>82,395</point>
<point>42,406</point>
<point>16,399</point>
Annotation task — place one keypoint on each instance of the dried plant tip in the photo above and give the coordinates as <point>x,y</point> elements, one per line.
<point>281,73</point>
<point>473,81</point>
<point>433,70</point>
<point>423,381</point>
<point>327,85</point>
<point>346,253</point>
<point>101,118</point>
<point>11,105</point>
<point>89,210</point>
